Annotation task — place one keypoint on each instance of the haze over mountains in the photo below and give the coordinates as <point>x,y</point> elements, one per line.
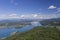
<point>16,22</point>
<point>28,16</point>
<point>26,19</point>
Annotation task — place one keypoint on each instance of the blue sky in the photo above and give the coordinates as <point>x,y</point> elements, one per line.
<point>23,7</point>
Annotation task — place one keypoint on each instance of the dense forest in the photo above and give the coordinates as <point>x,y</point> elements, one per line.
<point>38,33</point>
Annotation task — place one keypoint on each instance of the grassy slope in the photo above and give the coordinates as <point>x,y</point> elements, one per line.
<point>38,33</point>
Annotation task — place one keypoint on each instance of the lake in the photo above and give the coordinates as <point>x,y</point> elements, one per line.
<point>6,32</point>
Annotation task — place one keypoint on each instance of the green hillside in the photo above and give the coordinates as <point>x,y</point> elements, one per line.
<point>38,33</point>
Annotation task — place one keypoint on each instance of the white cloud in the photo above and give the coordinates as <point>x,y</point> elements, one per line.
<point>13,15</point>
<point>35,15</point>
<point>22,16</point>
<point>52,7</point>
<point>28,16</point>
<point>8,16</point>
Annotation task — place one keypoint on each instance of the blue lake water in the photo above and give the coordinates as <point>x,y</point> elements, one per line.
<point>5,32</point>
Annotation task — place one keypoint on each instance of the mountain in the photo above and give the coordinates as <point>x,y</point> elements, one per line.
<point>53,22</point>
<point>14,22</point>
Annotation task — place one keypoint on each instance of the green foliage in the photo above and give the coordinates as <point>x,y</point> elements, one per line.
<point>38,33</point>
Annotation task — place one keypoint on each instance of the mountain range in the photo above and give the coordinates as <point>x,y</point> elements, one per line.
<point>11,22</point>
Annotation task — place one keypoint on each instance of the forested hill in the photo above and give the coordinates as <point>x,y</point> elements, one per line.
<point>51,22</point>
<point>38,33</point>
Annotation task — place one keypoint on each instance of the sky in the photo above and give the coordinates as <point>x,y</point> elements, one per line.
<point>29,9</point>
